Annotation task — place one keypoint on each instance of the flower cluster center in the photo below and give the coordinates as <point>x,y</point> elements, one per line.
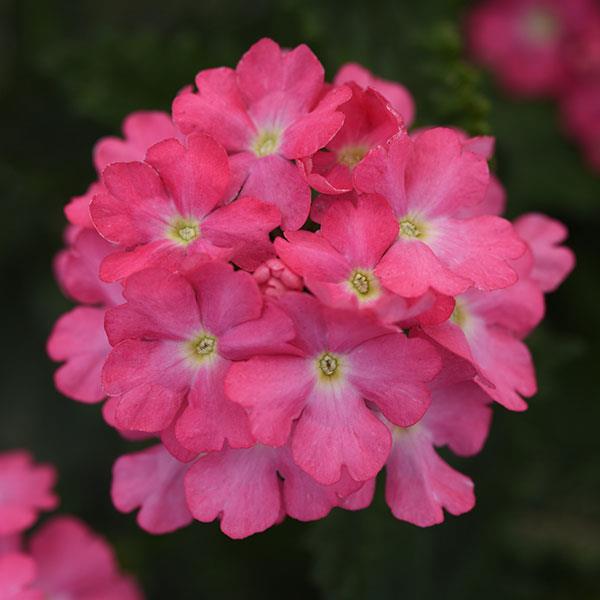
<point>266,143</point>
<point>350,156</point>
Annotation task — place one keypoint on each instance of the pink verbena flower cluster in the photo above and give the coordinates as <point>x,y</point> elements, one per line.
<point>63,558</point>
<point>283,361</point>
<point>546,48</point>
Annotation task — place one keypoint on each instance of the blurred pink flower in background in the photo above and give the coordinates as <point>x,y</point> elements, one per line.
<point>62,558</point>
<point>548,48</point>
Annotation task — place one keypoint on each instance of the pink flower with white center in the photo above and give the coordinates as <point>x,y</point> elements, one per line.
<point>167,211</point>
<point>552,262</point>
<point>17,573</point>
<point>25,491</point>
<point>317,393</point>
<point>152,480</point>
<point>274,278</point>
<point>419,484</point>
<point>174,341</point>
<point>268,112</point>
<point>78,337</point>
<point>485,330</point>
<point>523,40</point>
<point>73,562</point>
<point>340,263</point>
<point>141,130</point>
<point>397,95</point>
<point>428,181</point>
<point>368,121</point>
<point>251,489</point>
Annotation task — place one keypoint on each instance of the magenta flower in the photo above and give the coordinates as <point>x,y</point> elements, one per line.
<point>244,488</point>
<point>63,558</point>
<point>340,360</point>
<point>428,182</point>
<point>552,262</point>
<point>282,384</point>
<point>419,484</point>
<point>17,573</point>
<point>248,489</point>
<point>340,263</point>
<point>397,95</point>
<point>71,561</point>
<point>25,491</point>
<point>368,121</point>
<point>174,341</point>
<point>153,481</point>
<point>141,130</point>
<point>523,41</point>
<point>178,191</point>
<point>580,107</point>
<point>78,337</point>
<point>268,112</point>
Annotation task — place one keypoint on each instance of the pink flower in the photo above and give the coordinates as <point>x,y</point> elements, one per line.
<point>419,484</point>
<point>274,278</point>
<point>485,330</point>
<point>78,337</point>
<point>523,41</point>
<point>252,489</point>
<point>397,95</point>
<point>167,212</point>
<point>17,572</point>
<point>74,562</point>
<point>340,263</point>
<point>174,341</point>
<point>249,489</point>
<point>339,360</point>
<point>25,491</point>
<point>552,262</point>
<point>580,107</point>
<point>428,182</point>
<point>582,51</point>
<point>141,130</point>
<point>271,110</point>
<point>153,481</point>
<point>369,121</point>
<point>494,202</point>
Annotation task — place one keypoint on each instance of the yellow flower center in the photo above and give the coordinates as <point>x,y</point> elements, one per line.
<point>350,156</point>
<point>541,26</point>
<point>184,231</point>
<point>267,142</point>
<point>202,348</point>
<point>460,314</point>
<point>409,229</point>
<point>364,284</point>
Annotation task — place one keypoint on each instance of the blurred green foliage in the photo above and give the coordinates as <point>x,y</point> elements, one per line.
<point>70,71</point>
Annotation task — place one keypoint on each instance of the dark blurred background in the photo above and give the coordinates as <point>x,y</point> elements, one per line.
<point>70,71</point>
